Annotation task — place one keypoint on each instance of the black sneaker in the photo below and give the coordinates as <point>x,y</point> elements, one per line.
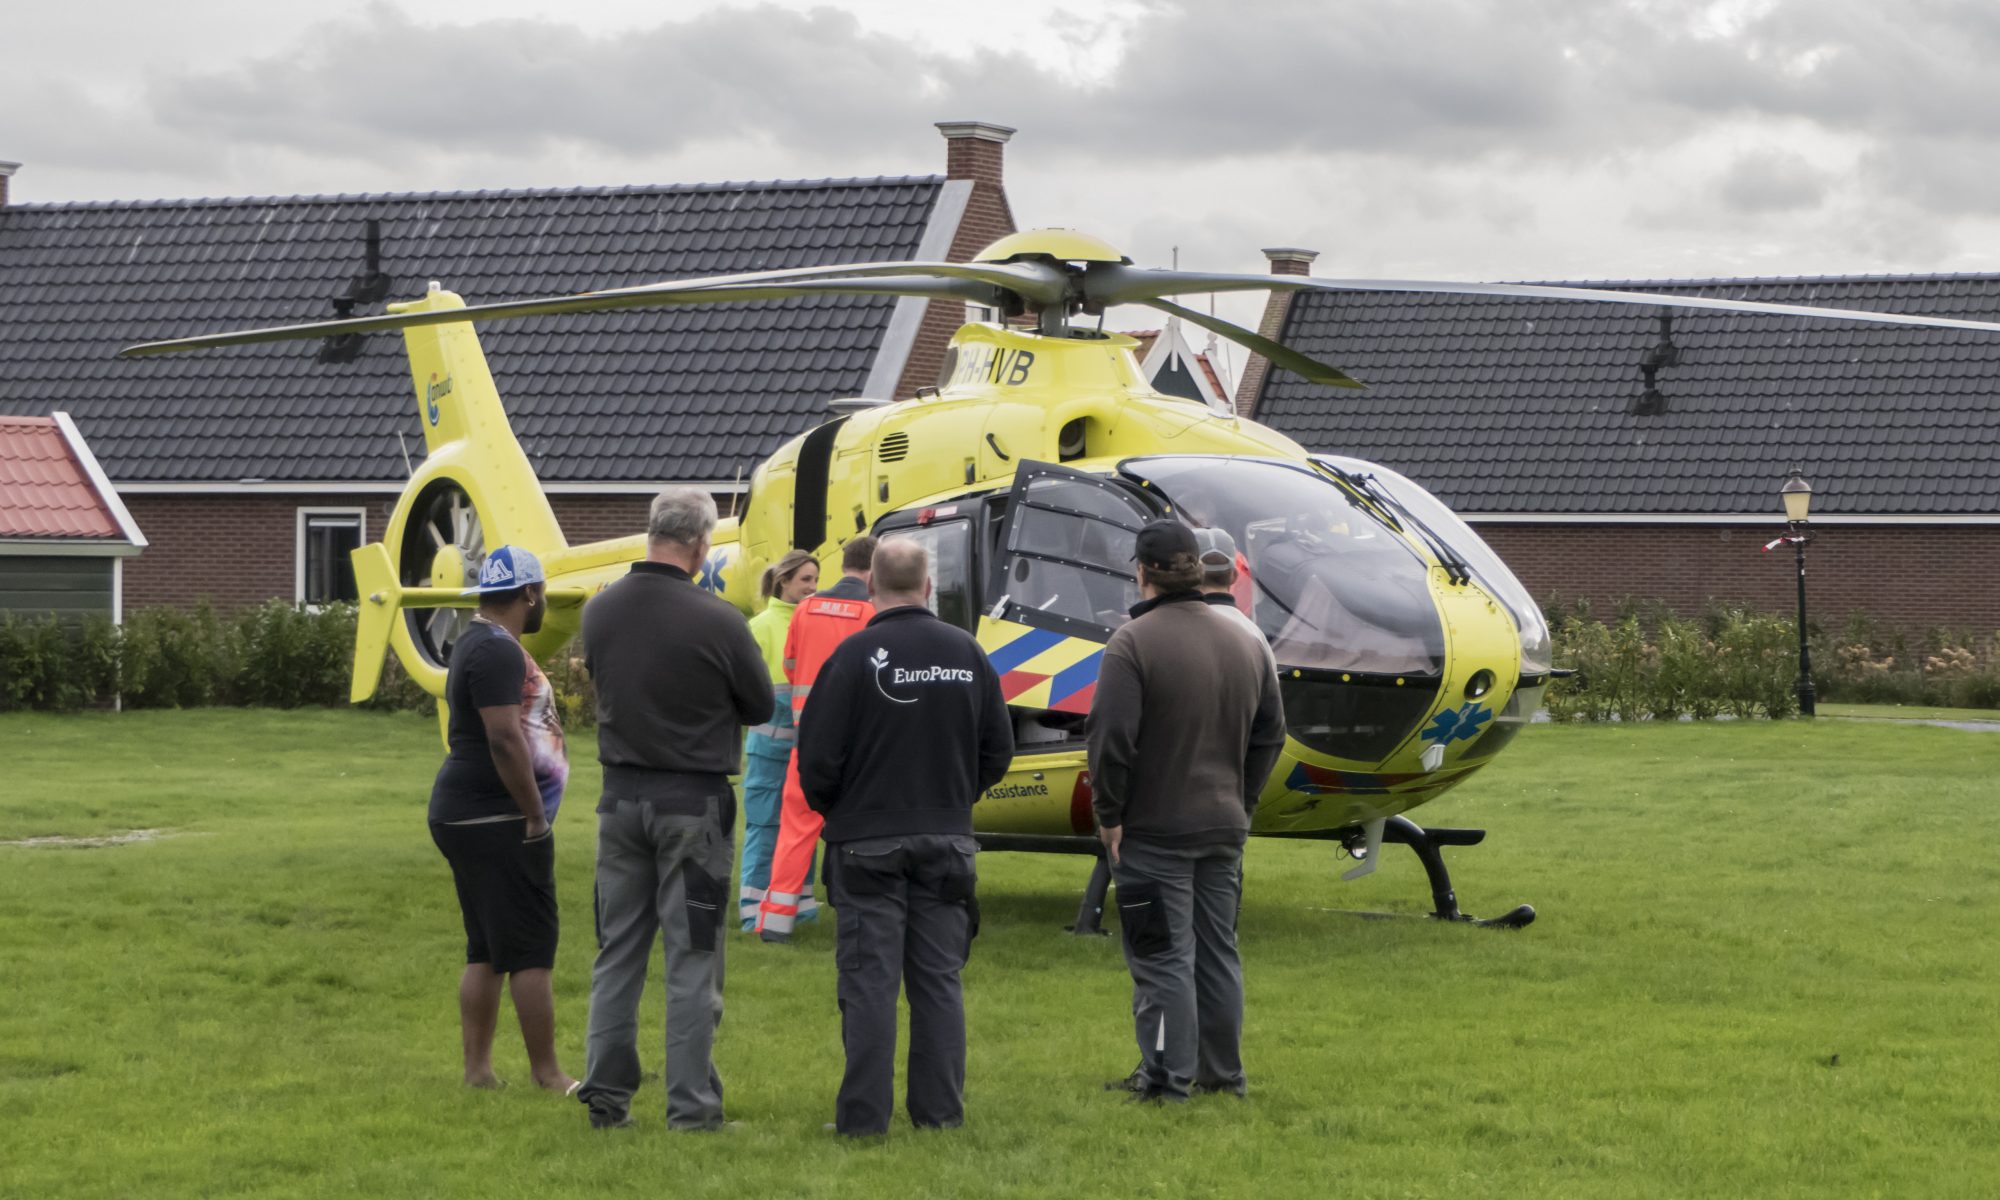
<point>1154,1096</point>
<point>1135,1082</point>
<point>600,1119</point>
<point>1217,1089</point>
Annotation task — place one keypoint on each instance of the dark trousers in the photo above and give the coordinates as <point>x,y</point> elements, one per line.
<point>906,914</point>
<point>1177,908</point>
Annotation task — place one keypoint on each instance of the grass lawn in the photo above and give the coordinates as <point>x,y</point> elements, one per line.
<point>263,1003</point>
<point>1908,712</point>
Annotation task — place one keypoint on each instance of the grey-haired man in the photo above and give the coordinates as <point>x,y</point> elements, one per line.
<point>678,675</point>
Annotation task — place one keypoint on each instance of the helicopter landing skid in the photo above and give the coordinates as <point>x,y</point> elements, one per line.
<point>1428,845</point>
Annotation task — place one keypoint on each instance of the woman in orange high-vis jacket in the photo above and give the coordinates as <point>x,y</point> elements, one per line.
<point>820,624</point>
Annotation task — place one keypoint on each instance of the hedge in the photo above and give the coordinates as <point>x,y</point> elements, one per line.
<point>1648,664</point>
<point>1642,664</point>
<point>274,656</point>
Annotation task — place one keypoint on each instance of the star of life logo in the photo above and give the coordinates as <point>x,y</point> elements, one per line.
<point>900,676</point>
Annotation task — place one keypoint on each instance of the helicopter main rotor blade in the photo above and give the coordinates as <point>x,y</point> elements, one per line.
<point>1310,369</point>
<point>978,283</point>
<point>1110,283</point>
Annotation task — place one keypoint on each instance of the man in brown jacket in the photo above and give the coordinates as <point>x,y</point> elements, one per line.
<point>1185,727</point>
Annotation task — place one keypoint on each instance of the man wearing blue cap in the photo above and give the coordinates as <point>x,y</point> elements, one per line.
<point>489,815</point>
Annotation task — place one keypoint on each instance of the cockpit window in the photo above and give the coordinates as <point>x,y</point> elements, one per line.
<point>1486,565</point>
<point>1332,587</point>
<point>1066,561</point>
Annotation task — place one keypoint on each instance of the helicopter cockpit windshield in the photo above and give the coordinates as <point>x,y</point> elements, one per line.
<point>1330,585</point>
<point>1487,566</point>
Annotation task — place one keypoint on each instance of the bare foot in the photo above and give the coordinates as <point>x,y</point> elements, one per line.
<point>484,1080</point>
<point>559,1083</point>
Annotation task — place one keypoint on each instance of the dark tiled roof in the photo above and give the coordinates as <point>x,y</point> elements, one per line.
<point>45,492</point>
<point>1519,406</point>
<point>694,393</point>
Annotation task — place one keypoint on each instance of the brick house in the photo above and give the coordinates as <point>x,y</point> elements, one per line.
<point>254,470</point>
<point>1608,451</point>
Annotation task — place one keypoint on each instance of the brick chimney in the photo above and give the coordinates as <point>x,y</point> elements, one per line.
<point>7,170</point>
<point>974,150</point>
<point>975,153</point>
<point>1285,260</point>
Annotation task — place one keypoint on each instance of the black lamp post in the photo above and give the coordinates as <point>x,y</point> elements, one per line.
<point>1797,496</point>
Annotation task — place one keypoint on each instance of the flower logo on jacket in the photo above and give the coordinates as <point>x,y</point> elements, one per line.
<point>880,661</point>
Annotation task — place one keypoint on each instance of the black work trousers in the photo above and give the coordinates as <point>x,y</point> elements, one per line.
<point>905,915</point>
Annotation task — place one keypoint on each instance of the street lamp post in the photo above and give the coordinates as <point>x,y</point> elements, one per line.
<point>1797,496</point>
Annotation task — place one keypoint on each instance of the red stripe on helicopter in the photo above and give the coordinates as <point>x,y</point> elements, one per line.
<point>1082,818</point>
<point>1315,781</point>
<point>1016,683</point>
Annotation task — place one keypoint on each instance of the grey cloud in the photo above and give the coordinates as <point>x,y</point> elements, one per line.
<point>1772,181</point>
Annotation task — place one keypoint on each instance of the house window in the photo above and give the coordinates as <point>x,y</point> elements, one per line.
<point>326,537</point>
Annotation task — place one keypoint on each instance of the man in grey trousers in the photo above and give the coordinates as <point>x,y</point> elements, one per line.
<point>1185,727</point>
<point>678,675</point>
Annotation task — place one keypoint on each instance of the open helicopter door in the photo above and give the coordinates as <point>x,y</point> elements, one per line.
<point>1063,564</point>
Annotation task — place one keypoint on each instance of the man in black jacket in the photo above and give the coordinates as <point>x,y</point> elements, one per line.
<point>678,675</point>
<point>905,728</point>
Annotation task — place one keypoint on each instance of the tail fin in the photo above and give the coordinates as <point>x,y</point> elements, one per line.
<point>474,491</point>
<point>466,427</point>
<point>380,603</point>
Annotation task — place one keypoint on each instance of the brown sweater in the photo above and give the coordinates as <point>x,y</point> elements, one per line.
<point>1185,726</point>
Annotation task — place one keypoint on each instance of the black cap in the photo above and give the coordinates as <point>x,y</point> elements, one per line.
<point>1161,542</point>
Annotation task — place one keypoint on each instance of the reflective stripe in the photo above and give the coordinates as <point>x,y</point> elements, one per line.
<point>777,733</point>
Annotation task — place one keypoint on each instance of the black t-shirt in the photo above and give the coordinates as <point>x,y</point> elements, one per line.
<point>488,669</point>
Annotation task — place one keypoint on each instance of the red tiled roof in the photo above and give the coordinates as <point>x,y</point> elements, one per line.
<point>1214,380</point>
<point>44,490</point>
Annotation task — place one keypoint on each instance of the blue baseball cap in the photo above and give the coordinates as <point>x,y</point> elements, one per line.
<point>505,569</point>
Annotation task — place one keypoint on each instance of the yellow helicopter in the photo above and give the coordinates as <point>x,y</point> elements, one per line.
<point>1409,655</point>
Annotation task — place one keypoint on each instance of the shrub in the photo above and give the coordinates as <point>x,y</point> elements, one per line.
<point>56,665</point>
<point>1651,664</point>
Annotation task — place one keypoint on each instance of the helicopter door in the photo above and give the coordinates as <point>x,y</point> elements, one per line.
<point>1065,551</point>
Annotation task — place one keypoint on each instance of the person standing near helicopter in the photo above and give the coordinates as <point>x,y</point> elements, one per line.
<point>821,623</point>
<point>767,748</point>
<point>1185,727</point>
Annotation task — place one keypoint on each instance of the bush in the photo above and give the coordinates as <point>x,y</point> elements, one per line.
<point>1651,664</point>
<point>274,655</point>
<point>174,659</point>
<point>59,666</point>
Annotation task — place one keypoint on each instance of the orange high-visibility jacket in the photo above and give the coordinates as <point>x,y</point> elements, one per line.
<point>821,623</point>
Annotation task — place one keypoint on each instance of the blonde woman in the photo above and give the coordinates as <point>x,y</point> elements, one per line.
<point>768,747</point>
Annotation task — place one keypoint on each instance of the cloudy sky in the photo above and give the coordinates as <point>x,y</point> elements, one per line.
<point>1530,139</point>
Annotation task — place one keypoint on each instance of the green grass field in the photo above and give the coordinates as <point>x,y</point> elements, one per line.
<point>1908,712</point>
<point>262,1003</point>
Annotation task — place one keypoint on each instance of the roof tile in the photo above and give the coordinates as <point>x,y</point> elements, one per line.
<point>85,279</point>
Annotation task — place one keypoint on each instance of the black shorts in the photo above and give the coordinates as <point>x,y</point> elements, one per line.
<point>506,892</point>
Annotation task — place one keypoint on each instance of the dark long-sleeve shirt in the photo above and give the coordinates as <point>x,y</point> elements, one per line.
<point>1185,725</point>
<point>904,729</point>
<point>678,675</point>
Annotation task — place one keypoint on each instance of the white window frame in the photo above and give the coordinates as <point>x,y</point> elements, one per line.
<point>302,519</point>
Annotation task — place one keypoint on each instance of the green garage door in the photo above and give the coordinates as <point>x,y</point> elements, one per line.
<point>34,586</point>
